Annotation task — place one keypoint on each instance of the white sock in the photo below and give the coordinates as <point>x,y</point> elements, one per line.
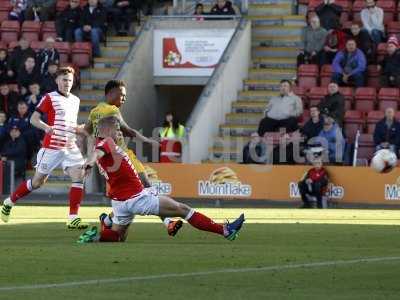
<point>107,221</point>
<point>71,217</point>
<point>8,201</point>
<point>167,221</point>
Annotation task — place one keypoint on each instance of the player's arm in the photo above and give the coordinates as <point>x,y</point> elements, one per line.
<point>128,131</point>
<point>91,161</point>
<point>90,138</point>
<point>38,123</point>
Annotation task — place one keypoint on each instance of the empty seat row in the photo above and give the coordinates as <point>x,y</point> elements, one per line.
<point>30,30</point>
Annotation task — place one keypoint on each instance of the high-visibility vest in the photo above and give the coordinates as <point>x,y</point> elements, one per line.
<point>168,132</point>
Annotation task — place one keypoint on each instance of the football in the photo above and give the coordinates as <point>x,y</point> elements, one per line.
<point>384,161</point>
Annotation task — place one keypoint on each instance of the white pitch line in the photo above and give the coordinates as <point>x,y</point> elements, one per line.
<point>205,273</point>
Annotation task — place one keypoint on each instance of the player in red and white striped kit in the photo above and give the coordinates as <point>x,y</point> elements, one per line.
<point>59,147</point>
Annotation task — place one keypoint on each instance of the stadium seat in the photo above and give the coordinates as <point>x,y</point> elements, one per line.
<point>373,117</point>
<point>316,94</point>
<point>12,45</point>
<point>373,76</point>
<point>389,9</point>
<point>302,93</point>
<point>30,30</point>
<point>307,75</point>
<point>381,51</point>
<point>9,31</point>
<point>348,94</point>
<point>388,97</point>
<point>5,8</point>
<point>37,45</point>
<point>304,117</point>
<point>81,54</point>
<point>353,121</point>
<point>393,28</point>
<point>358,5</point>
<point>48,30</point>
<point>397,115</point>
<point>64,49</point>
<point>365,99</point>
<point>326,75</point>
<point>366,146</point>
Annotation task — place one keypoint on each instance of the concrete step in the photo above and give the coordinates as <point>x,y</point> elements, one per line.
<point>89,94</point>
<point>243,118</point>
<point>256,95</point>
<point>262,84</point>
<point>231,142</point>
<point>94,84</point>
<point>272,73</point>
<point>261,52</point>
<point>277,30</point>
<point>275,62</point>
<point>277,41</point>
<point>277,20</point>
<point>99,73</point>
<point>117,51</point>
<point>237,129</point>
<point>249,106</point>
<point>118,41</point>
<point>277,8</point>
<point>108,62</point>
<point>224,153</point>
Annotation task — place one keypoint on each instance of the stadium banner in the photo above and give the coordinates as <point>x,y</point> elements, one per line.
<point>188,52</point>
<point>261,182</point>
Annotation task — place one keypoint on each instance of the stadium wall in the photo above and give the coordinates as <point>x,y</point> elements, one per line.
<point>218,95</point>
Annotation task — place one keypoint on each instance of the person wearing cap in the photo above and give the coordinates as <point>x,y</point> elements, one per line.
<point>390,65</point>
<point>49,53</point>
<point>387,132</point>
<point>15,149</point>
<point>372,19</point>
<point>334,103</point>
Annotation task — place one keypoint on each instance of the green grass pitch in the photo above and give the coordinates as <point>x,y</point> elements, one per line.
<point>273,258</point>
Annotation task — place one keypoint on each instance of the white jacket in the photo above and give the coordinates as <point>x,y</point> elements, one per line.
<point>372,19</point>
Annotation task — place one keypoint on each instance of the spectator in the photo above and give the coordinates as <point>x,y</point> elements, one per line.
<point>18,57</point>
<point>372,20</point>
<point>49,53</point>
<point>387,132</point>
<point>48,83</point>
<point>8,99</point>
<point>390,65</point>
<point>335,41</point>
<point>4,67</point>
<point>17,12</point>
<point>314,37</point>
<point>255,150</point>
<point>122,15</point>
<point>15,149</point>
<point>363,40</point>
<point>34,96</point>
<point>3,127</point>
<point>349,66</point>
<point>93,23</point>
<point>331,138</point>
<point>68,21</point>
<point>222,7</point>
<point>172,129</point>
<point>282,111</point>
<point>199,11</point>
<point>312,127</point>
<point>27,74</point>
<point>334,103</point>
<point>329,14</point>
<point>35,13</point>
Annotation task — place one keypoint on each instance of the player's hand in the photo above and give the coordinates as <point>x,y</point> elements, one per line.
<point>87,167</point>
<point>80,129</point>
<point>49,130</point>
<point>309,181</point>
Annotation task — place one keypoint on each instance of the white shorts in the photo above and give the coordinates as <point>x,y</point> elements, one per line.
<point>49,159</point>
<point>146,203</point>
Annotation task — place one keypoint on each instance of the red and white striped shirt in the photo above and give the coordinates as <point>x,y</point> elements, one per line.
<point>62,116</point>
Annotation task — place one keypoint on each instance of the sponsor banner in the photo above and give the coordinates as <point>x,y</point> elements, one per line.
<point>236,181</point>
<point>188,52</point>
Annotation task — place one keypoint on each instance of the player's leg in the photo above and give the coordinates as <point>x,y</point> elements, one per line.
<point>172,208</point>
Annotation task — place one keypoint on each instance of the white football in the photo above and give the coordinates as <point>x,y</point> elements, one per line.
<point>384,161</point>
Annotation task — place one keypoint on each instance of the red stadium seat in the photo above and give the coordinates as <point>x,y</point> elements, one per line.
<point>316,94</point>
<point>304,117</point>
<point>326,75</point>
<point>302,93</point>
<point>393,28</point>
<point>388,97</point>
<point>9,31</point>
<point>366,146</point>
<point>373,117</point>
<point>5,8</point>
<point>37,45</point>
<point>381,51</point>
<point>348,95</point>
<point>12,45</point>
<point>48,30</point>
<point>307,75</point>
<point>358,6</point>
<point>389,9</point>
<point>353,121</point>
<point>30,30</point>
<point>365,98</point>
<point>64,49</point>
<point>82,54</point>
<point>373,76</point>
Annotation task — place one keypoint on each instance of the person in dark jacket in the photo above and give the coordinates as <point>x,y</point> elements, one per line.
<point>27,74</point>
<point>312,127</point>
<point>48,83</point>
<point>15,149</point>
<point>4,66</point>
<point>363,40</point>
<point>18,57</point>
<point>329,14</point>
<point>68,21</point>
<point>335,41</point>
<point>8,99</point>
<point>387,132</point>
<point>122,16</point>
<point>255,150</point>
<point>390,66</point>
<point>92,25</point>
<point>49,53</point>
<point>222,7</point>
<point>3,127</point>
<point>34,96</point>
<point>334,103</point>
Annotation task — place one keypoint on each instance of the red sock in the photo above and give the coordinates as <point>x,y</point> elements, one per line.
<point>108,235</point>
<point>75,198</point>
<point>24,189</point>
<point>204,223</point>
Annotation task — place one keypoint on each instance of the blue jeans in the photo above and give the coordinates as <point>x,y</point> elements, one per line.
<point>95,37</point>
<point>357,78</point>
<point>377,36</point>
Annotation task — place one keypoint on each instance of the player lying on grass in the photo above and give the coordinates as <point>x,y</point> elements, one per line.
<point>59,147</point>
<point>130,198</point>
<point>115,96</point>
